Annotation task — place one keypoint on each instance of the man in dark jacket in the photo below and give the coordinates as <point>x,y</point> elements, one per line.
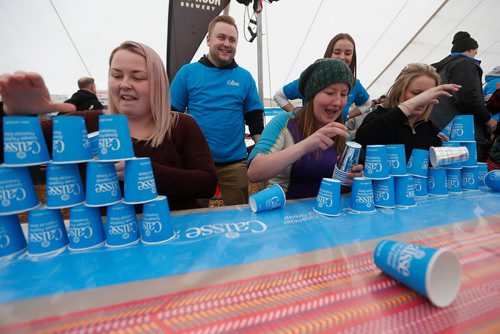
<point>85,98</point>
<point>461,68</point>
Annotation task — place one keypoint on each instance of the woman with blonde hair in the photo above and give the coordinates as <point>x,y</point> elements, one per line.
<point>138,88</point>
<point>405,116</point>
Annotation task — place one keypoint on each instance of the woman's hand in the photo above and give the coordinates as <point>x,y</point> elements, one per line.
<point>323,137</point>
<point>120,169</point>
<point>25,93</point>
<point>356,171</point>
<point>416,105</point>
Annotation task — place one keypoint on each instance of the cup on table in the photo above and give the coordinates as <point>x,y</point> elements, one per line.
<point>434,273</point>
<point>17,193</point>
<point>436,182</point>
<point>86,229</point>
<point>453,181</point>
<point>115,143</point>
<point>121,225</point>
<point>102,186</point>
<point>139,183</point>
<point>349,157</point>
<point>46,232</point>
<point>70,142</point>
<point>462,129</point>
<point>376,167</point>
<point>418,164</point>
<point>12,240</point>
<point>23,142</point>
<point>405,191</point>
<point>396,159</point>
<point>472,160</point>
<point>482,170</point>
<point>383,193</point>
<point>454,165</point>
<point>470,179</point>
<point>328,199</point>
<point>446,155</point>
<point>420,186</point>
<point>272,197</point>
<point>63,186</point>
<point>492,179</point>
<point>362,195</point>
<point>94,144</point>
<point>155,226</point>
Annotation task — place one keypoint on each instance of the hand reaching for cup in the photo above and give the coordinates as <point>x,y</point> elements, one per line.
<point>416,105</point>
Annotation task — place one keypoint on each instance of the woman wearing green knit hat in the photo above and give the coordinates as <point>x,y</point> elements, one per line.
<point>298,149</point>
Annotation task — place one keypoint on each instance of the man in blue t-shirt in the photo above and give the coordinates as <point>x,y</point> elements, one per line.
<point>222,97</point>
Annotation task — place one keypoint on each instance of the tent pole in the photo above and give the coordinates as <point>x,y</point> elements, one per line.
<point>259,57</point>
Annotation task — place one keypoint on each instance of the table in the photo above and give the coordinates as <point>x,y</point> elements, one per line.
<point>286,270</point>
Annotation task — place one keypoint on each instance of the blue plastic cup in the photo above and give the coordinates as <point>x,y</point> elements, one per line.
<point>63,186</point>
<point>436,182</point>
<point>396,159</point>
<point>86,229</point>
<point>272,197</point>
<point>454,165</point>
<point>102,186</point>
<point>94,144</point>
<point>418,164</point>
<point>462,129</point>
<point>350,156</point>
<point>492,179</point>
<point>434,273</point>
<point>46,232</point>
<point>121,225</point>
<point>420,186</point>
<point>447,129</point>
<point>12,240</point>
<point>139,184</point>
<point>376,167</point>
<point>472,159</point>
<point>470,179</point>
<point>17,193</point>
<point>156,226</point>
<point>23,142</point>
<point>453,181</point>
<point>362,195</point>
<point>482,170</point>
<point>70,143</point>
<point>383,193</point>
<point>445,155</point>
<point>115,143</point>
<point>328,199</point>
<point>405,191</point>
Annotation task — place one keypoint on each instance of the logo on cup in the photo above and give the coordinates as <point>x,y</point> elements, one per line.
<point>78,233</point>
<point>106,144</point>
<point>468,180</point>
<point>124,229</point>
<point>408,253</point>
<point>150,227</point>
<point>324,201</point>
<point>452,182</point>
<point>64,191</point>
<point>393,163</point>
<point>22,147</point>
<point>58,146</point>
<point>368,200</point>
<point>46,237</point>
<point>417,186</point>
<point>381,195</point>
<point>373,167</point>
<point>4,239</point>
<point>145,185</point>
<point>7,195</point>
<point>111,187</point>
<point>457,132</point>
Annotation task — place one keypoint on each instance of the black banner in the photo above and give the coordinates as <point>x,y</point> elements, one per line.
<point>187,27</point>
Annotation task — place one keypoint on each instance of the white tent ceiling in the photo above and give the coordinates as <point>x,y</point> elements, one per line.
<point>67,39</point>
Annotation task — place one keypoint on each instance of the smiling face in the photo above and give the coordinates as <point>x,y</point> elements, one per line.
<point>418,85</point>
<point>343,50</point>
<point>329,102</point>
<point>222,42</point>
<point>129,85</point>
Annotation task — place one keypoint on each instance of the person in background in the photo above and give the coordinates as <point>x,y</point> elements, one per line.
<point>138,88</point>
<point>341,47</point>
<point>222,96</point>
<point>85,98</point>
<point>493,106</point>
<point>299,148</point>
<point>492,80</point>
<point>461,68</point>
<point>404,118</point>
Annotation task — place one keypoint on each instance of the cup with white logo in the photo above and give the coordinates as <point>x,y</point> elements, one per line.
<point>432,272</point>
<point>23,142</point>
<point>396,159</point>
<point>121,225</point>
<point>139,183</point>
<point>436,182</point>
<point>362,195</point>
<point>102,186</point>
<point>383,193</point>
<point>70,143</point>
<point>272,197</point>
<point>376,166</point>
<point>418,164</point>
<point>86,230</point>
<point>17,193</point>
<point>472,149</point>
<point>453,165</point>
<point>12,240</point>
<point>470,179</point>
<point>328,199</point>
<point>63,186</point>
<point>482,170</point>
<point>492,179</point>
<point>453,181</point>
<point>114,139</point>
<point>420,186</point>
<point>462,129</point>
<point>46,232</point>
<point>155,225</point>
<point>405,191</point>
